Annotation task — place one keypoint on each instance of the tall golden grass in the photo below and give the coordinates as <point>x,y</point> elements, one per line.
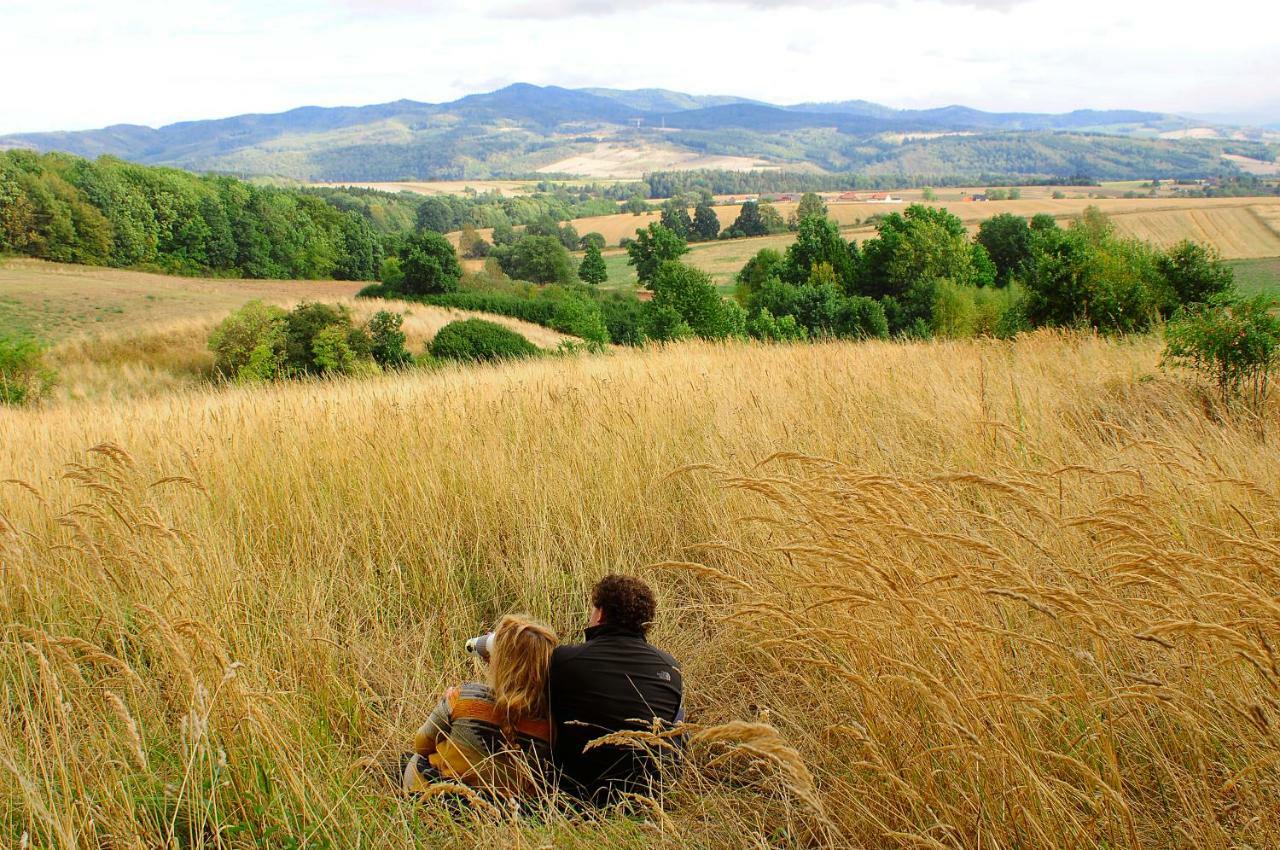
<point>174,356</point>
<point>976,594</point>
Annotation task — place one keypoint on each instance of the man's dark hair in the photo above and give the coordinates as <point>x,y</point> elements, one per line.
<point>627,602</point>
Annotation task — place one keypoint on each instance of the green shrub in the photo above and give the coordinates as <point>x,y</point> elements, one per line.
<point>430,265</point>
<point>822,309</point>
<point>334,351</point>
<point>579,317</point>
<point>390,273</point>
<point>1195,274</point>
<point>955,314</point>
<point>478,340</point>
<point>388,340</point>
<point>764,326</point>
<point>250,344</point>
<point>1234,345</point>
<point>663,323</point>
<point>569,311</point>
<point>762,266</point>
<point>376,290</point>
<point>691,293</point>
<point>996,311</point>
<point>259,342</point>
<point>858,317</point>
<point>301,327</point>
<point>623,315</point>
<point>535,310</point>
<point>1086,276</point>
<point>593,238</point>
<point>24,378</point>
<point>539,259</point>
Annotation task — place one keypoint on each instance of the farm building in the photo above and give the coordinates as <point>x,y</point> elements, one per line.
<point>848,197</point>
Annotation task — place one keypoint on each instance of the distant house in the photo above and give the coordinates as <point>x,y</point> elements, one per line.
<point>786,197</point>
<point>883,198</point>
<point>978,198</point>
<point>848,197</point>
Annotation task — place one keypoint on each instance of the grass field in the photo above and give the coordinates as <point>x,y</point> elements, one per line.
<point>55,300</point>
<point>1254,277</point>
<point>123,335</point>
<point>925,595</point>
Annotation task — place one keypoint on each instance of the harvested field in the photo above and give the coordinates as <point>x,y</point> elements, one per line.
<point>1250,165</point>
<point>630,161</point>
<point>1237,232</point>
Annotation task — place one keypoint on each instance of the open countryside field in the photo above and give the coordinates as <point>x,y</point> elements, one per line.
<point>632,161</point>
<point>1155,218</point>
<point>1257,276</point>
<point>945,594</point>
<point>57,300</point>
<point>1239,228</point>
<point>123,334</point>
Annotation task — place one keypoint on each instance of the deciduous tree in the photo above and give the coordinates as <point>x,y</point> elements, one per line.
<point>653,246</point>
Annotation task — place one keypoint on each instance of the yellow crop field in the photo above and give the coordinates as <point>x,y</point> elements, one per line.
<point>950,594</point>
<point>1237,232</point>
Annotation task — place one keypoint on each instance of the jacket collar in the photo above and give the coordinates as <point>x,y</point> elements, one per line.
<point>611,630</point>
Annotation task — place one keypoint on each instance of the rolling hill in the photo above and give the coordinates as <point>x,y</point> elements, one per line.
<point>523,128</point>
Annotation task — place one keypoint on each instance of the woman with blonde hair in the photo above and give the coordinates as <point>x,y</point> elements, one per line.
<point>493,736</point>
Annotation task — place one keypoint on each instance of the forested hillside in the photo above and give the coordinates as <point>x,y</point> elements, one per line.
<point>110,212</point>
<point>522,128</point>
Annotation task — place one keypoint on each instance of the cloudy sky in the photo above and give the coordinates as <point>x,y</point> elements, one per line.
<point>72,64</point>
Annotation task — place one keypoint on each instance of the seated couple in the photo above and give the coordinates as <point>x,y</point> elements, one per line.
<point>527,728</point>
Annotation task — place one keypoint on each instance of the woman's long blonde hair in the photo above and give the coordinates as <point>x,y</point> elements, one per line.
<point>518,666</point>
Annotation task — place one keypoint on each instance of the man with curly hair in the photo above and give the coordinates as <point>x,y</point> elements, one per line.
<point>615,681</point>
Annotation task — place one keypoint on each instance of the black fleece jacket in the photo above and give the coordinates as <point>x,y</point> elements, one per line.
<point>616,680</point>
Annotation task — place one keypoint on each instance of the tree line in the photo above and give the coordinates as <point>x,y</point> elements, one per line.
<point>110,212</point>
<point>665,184</point>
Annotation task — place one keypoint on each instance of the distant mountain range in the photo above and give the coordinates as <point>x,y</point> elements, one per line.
<point>600,132</point>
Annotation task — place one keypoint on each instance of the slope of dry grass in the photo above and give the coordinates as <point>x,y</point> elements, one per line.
<point>929,595</point>
<point>124,334</point>
<point>58,300</point>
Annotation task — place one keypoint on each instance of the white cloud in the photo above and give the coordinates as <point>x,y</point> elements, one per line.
<point>155,61</point>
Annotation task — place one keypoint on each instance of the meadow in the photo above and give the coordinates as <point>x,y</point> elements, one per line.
<point>948,594</point>
<point>121,334</point>
<point>1254,277</point>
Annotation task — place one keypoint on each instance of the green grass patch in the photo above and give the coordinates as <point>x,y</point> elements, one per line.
<point>622,275</point>
<point>1255,277</point>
